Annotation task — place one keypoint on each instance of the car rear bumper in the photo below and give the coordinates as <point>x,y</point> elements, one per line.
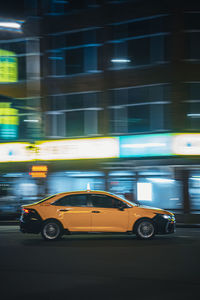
<point>30,227</point>
<point>30,224</point>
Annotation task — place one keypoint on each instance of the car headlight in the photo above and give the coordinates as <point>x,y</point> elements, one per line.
<point>168,217</point>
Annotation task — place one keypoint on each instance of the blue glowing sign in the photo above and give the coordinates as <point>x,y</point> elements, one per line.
<point>145,145</point>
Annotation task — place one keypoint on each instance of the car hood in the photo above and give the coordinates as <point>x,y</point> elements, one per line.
<point>155,209</point>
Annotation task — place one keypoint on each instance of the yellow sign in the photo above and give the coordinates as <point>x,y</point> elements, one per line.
<point>39,168</point>
<point>8,66</point>
<point>39,171</point>
<point>8,115</point>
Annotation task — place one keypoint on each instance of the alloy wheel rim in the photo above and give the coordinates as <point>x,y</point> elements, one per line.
<point>146,229</point>
<point>51,231</point>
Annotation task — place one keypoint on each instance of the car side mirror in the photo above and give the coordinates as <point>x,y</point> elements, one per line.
<point>121,207</point>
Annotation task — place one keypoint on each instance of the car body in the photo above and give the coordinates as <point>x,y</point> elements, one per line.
<point>93,211</point>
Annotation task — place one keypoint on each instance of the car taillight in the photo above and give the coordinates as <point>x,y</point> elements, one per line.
<point>25,210</point>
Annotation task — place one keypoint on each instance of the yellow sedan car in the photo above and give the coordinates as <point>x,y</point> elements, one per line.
<point>93,211</point>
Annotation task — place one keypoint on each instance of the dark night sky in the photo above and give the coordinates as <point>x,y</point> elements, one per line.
<point>12,8</point>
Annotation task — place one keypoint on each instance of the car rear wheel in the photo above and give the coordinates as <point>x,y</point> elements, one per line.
<point>145,229</point>
<point>51,230</point>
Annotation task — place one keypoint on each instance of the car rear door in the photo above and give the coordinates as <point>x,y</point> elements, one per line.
<point>74,213</point>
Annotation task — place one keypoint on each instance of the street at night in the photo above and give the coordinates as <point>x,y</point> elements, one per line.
<point>99,266</point>
<point>100,132</point>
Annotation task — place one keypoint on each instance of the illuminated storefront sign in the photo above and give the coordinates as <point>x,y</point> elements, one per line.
<point>15,152</point>
<point>107,147</point>
<point>8,66</point>
<point>152,145</point>
<point>186,144</point>
<point>145,145</point>
<point>38,171</point>
<point>9,121</point>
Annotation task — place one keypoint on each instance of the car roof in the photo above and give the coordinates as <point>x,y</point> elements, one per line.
<point>95,192</point>
<point>85,192</point>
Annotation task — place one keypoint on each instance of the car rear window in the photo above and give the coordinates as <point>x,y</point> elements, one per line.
<point>72,200</point>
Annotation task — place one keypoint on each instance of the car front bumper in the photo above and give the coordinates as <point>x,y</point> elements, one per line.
<point>164,226</point>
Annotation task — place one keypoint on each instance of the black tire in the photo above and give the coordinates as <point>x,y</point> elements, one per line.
<point>145,229</point>
<point>51,230</point>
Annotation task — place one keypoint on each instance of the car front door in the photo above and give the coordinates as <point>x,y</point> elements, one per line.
<point>108,214</point>
<point>74,213</point>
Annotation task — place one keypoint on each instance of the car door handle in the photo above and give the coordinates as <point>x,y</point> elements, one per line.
<point>63,209</point>
<point>95,211</point>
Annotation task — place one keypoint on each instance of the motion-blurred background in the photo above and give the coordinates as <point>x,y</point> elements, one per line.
<point>100,92</point>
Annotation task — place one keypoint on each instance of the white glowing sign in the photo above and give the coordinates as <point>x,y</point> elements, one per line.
<point>144,191</point>
<point>103,147</point>
<point>186,144</point>
<point>107,147</point>
<point>15,152</point>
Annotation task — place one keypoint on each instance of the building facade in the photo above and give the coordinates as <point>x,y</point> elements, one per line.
<point>91,69</point>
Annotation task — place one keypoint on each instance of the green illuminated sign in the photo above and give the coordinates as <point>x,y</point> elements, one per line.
<point>8,66</point>
<point>9,121</point>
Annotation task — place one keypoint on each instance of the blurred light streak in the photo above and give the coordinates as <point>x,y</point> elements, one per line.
<point>11,25</point>
<point>186,144</point>
<point>120,60</point>
<point>15,152</point>
<point>31,121</point>
<point>161,180</point>
<point>145,145</point>
<point>107,147</point>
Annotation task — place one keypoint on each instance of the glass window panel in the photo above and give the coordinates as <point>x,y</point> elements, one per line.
<point>90,122</point>
<point>75,123</point>
<point>139,51</point>
<point>192,20</point>
<point>139,118</point>
<point>127,115</point>
<point>104,201</point>
<point>193,111</point>
<point>74,61</point>
<point>90,59</point>
<point>193,45</point>
<point>72,200</point>
<point>194,190</point>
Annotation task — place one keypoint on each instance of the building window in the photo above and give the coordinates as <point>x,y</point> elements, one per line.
<point>194,191</point>
<point>73,115</point>
<point>191,20</point>
<point>193,45</point>
<point>139,42</point>
<point>140,109</point>
<point>193,111</point>
<point>73,52</point>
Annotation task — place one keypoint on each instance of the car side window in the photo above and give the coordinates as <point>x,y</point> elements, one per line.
<point>72,200</point>
<point>105,201</point>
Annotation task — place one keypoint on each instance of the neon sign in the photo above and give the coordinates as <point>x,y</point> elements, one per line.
<point>8,66</point>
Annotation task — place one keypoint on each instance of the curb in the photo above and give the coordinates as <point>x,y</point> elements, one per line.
<point>6,223</point>
<point>182,225</point>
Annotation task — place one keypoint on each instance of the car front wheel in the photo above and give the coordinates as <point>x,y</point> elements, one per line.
<point>51,230</point>
<point>145,229</point>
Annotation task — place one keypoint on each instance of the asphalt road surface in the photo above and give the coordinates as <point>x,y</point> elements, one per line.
<point>99,266</point>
